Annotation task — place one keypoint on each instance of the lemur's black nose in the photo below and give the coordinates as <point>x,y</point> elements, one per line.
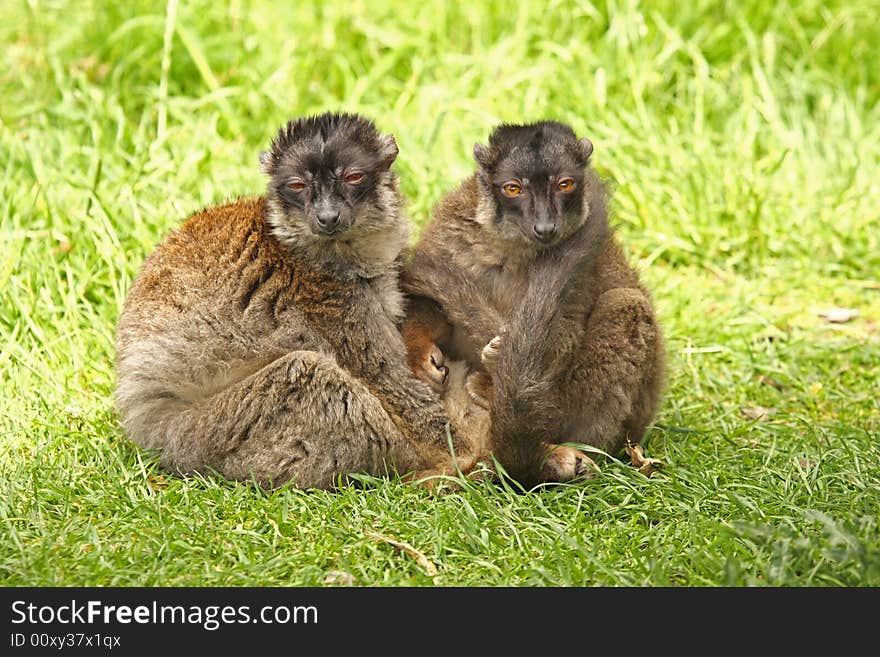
<point>544,231</point>
<point>327,219</point>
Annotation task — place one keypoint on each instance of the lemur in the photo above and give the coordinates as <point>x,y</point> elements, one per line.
<point>261,338</point>
<point>519,275</point>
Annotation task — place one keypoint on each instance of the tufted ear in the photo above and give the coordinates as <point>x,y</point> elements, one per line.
<point>585,148</point>
<point>388,150</point>
<point>266,162</point>
<point>484,157</point>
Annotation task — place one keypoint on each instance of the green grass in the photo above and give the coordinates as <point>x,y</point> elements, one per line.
<point>743,143</point>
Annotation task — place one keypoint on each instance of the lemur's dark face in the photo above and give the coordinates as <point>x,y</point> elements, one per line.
<point>535,175</point>
<point>326,173</point>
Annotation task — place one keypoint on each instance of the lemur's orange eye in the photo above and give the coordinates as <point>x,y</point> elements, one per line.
<point>354,178</point>
<point>565,185</point>
<point>297,184</point>
<point>511,189</point>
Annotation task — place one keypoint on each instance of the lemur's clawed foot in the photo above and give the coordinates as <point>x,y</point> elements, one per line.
<point>431,369</point>
<point>480,390</point>
<point>563,463</point>
<point>489,356</point>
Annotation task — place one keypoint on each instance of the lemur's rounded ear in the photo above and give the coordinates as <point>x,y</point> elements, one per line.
<point>388,149</point>
<point>585,147</point>
<point>266,162</point>
<point>483,156</point>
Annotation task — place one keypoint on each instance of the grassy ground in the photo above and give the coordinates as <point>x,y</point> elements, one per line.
<point>743,142</point>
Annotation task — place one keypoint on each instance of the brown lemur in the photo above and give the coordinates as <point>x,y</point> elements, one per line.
<point>261,338</point>
<point>519,274</point>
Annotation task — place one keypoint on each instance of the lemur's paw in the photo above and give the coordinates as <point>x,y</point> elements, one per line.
<point>431,368</point>
<point>563,463</point>
<point>489,356</point>
<point>479,389</point>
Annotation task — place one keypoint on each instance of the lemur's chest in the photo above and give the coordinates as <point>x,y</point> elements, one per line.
<point>506,288</point>
<point>502,281</point>
<point>384,292</point>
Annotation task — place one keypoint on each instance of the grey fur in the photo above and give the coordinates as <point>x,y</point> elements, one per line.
<point>256,347</point>
<point>581,354</point>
